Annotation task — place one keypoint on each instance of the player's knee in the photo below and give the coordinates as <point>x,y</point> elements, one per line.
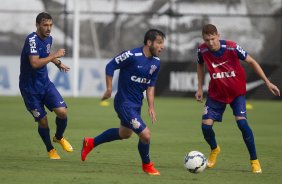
<point>61,113</point>
<point>125,136</point>
<point>145,140</point>
<point>124,132</point>
<point>43,123</point>
<point>145,136</point>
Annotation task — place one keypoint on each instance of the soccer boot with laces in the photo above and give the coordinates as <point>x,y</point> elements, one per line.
<point>256,166</point>
<point>212,157</point>
<point>64,143</point>
<point>150,169</point>
<point>53,154</point>
<point>87,146</point>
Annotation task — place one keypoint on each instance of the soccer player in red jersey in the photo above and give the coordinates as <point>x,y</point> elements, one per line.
<point>227,86</point>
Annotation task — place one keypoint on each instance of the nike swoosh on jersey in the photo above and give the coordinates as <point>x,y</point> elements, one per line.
<point>218,64</point>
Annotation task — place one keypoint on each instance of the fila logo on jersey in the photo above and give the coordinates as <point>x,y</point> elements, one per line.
<point>123,57</point>
<point>221,75</point>
<point>140,80</point>
<point>32,44</point>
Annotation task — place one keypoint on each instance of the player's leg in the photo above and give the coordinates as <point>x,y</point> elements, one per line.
<point>61,121</point>
<point>109,135</point>
<point>113,134</point>
<point>213,111</point>
<point>239,110</point>
<point>44,132</point>
<point>55,102</point>
<point>209,136</point>
<point>35,107</point>
<point>144,149</point>
<point>144,133</point>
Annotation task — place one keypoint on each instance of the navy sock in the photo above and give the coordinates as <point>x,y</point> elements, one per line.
<point>209,135</point>
<point>144,152</point>
<point>248,137</point>
<point>61,126</point>
<point>109,135</point>
<point>45,136</point>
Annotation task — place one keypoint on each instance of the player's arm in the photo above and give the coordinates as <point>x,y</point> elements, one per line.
<point>109,70</point>
<point>200,74</point>
<point>258,70</point>
<point>150,94</point>
<point>60,65</point>
<point>109,87</point>
<point>37,62</point>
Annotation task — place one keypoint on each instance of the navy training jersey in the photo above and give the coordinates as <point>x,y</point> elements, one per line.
<point>31,79</point>
<point>137,73</point>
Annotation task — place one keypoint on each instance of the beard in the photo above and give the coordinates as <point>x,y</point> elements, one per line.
<point>153,51</point>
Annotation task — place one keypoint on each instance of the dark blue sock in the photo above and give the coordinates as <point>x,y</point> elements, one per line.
<point>61,126</point>
<point>45,136</point>
<point>248,137</point>
<point>109,135</point>
<point>209,135</point>
<point>144,152</point>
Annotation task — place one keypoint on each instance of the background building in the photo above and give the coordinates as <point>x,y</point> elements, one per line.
<point>107,27</point>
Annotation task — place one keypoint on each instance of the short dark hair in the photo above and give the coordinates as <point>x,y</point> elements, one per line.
<point>209,29</point>
<point>152,34</point>
<point>41,16</point>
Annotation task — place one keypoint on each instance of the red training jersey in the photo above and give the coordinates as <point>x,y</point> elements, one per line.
<point>228,78</point>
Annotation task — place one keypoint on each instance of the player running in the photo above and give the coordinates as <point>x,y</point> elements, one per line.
<point>139,69</point>
<point>36,88</point>
<point>227,86</point>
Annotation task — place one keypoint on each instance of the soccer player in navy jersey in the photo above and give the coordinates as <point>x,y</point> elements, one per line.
<point>139,69</point>
<point>227,86</point>
<point>36,88</point>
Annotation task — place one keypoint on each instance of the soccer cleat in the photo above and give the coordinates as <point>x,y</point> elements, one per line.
<point>53,154</point>
<point>87,146</point>
<point>256,166</point>
<point>150,169</point>
<point>212,157</point>
<point>64,143</point>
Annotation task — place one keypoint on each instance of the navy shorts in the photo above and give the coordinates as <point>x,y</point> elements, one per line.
<point>51,98</point>
<point>130,117</point>
<point>214,109</point>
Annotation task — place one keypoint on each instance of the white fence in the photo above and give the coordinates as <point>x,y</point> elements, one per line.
<point>91,77</point>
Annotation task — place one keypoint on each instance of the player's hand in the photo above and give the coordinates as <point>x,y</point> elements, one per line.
<point>60,53</point>
<point>152,115</point>
<point>274,89</point>
<point>199,95</point>
<point>63,68</point>
<point>107,95</point>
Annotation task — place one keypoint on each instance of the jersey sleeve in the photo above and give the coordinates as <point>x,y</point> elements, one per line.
<point>200,58</point>
<point>154,76</point>
<point>242,54</point>
<point>118,62</point>
<point>31,46</point>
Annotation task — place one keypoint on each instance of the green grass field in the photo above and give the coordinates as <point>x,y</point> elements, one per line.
<point>23,158</point>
